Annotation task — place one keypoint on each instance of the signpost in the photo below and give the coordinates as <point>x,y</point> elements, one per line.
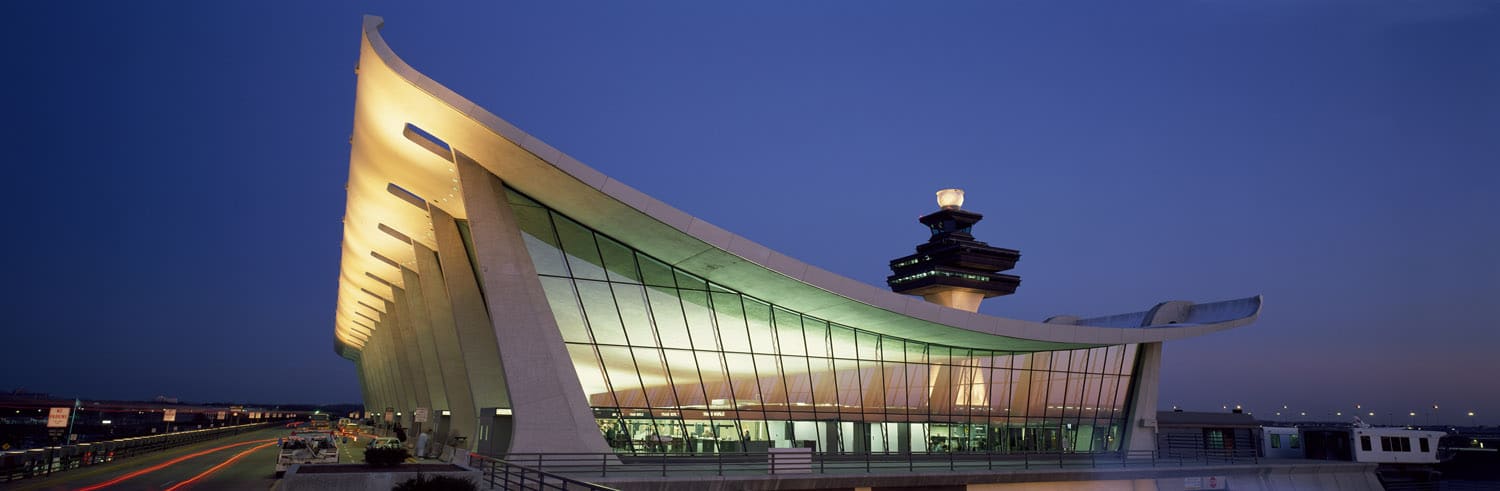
<point>419,415</point>
<point>58,417</point>
<point>169,415</point>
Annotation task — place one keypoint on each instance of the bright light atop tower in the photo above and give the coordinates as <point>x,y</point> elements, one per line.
<point>951,198</point>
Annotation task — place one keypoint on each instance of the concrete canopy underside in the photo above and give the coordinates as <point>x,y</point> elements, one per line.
<point>392,95</point>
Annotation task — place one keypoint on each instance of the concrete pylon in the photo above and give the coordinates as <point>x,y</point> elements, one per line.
<point>450,355</point>
<point>415,372</point>
<point>1145,384</point>
<point>421,332</point>
<point>550,411</point>
<point>476,339</point>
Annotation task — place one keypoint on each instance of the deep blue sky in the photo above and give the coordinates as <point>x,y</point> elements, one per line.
<point>176,170</point>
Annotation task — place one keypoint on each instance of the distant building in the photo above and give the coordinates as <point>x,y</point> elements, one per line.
<point>533,304</point>
<point>1194,434</point>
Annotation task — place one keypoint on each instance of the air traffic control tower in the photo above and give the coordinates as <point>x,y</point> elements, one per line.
<point>953,269</point>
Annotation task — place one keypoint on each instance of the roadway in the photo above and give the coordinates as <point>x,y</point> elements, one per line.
<point>240,462</point>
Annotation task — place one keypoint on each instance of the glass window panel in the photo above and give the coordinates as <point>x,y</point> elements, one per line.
<point>938,354</point>
<point>631,302</point>
<point>872,386</point>
<point>789,333</point>
<point>541,241</point>
<point>1112,359</point>
<point>715,383</point>
<point>892,349</point>
<point>586,363</point>
<point>1091,391</point>
<point>868,345</point>
<point>843,342</point>
<point>688,281</point>
<point>1129,359</point>
<point>816,332</point>
<point>578,243</point>
<point>798,382</point>
<point>825,394</point>
<point>653,374</point>
<point>1000,387</point>
<point>1080,361</point>
<point>1121,393</point>
<point>699,319</point>
<point>1058,360</point>
<point>619,261</point>
<point>771,387</point>
<point>848,385</point>
<point>1038,397</point>
<point>758,315</point>
<point>666,311</point>
<point>655,273</point>
<point>918,387</point>
<point>1096,360</point>
<point>622,376</point>
<point>743,379</point>
<point>731,322</point>
<point>1020,398</point>
<point>684,370</point>
<point>599,309</point>
<point>1109,384</point>
<point>565,309</point>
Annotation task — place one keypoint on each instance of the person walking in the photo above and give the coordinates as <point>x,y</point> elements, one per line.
<point>422,441</point>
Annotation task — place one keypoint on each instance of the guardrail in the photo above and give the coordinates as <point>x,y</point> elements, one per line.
<point>508,475</point>
<point>22,464</point>
<point>587,465</point>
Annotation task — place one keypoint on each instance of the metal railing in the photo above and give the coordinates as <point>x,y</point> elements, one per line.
<point>22,464</point>
<point>508,475</point>
<point>594,465</point>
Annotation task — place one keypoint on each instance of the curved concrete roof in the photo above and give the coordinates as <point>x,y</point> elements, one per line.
<point>391,95</point>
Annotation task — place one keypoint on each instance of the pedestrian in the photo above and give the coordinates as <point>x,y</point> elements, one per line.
<point>400,433</point>
<point>422,441</point>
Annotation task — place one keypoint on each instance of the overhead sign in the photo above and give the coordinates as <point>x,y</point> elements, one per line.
<point>58,417</point>
<point>419,415</point>
<point>169,415</point>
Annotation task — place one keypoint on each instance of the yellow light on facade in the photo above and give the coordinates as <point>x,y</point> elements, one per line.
<point>951,198</point>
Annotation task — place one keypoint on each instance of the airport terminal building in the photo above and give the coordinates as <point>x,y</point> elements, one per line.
<point>532,304</point>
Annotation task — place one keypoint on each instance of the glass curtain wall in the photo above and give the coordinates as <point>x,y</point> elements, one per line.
<point>671,362</point>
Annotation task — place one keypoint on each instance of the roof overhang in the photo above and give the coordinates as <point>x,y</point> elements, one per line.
<point>392,95</point>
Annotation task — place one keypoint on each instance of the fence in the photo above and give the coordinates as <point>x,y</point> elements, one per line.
<point>45,461</point>
<point>507,475</point>
<point>589,465</point>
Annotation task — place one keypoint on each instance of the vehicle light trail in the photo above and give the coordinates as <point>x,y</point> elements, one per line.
<point>167,464</point>
<point>221,465</point>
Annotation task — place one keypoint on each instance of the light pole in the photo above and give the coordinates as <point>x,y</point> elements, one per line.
<point>1414,419</point>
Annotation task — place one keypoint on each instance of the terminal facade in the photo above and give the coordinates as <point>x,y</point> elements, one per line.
<point>521,299</point>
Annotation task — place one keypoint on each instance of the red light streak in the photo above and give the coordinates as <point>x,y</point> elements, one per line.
<point>221,465</point>
<point>166,464</point>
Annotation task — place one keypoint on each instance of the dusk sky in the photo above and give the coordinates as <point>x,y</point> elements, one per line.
<point>177,171</point>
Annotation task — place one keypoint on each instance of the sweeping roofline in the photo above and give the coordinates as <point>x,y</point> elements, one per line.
<point>392,94</point>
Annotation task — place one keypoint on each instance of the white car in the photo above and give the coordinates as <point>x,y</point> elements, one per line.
<point>307,448</point>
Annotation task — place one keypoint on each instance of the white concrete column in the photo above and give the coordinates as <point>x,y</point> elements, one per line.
<point>551,413</point>
<point>450,355</point>
<point>421,332</point>
<point>415,372</point>
<point>476,339</point>
<point>1140,434</point>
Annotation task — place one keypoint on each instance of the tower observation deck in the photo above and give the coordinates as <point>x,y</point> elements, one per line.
<point>952,268</point>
